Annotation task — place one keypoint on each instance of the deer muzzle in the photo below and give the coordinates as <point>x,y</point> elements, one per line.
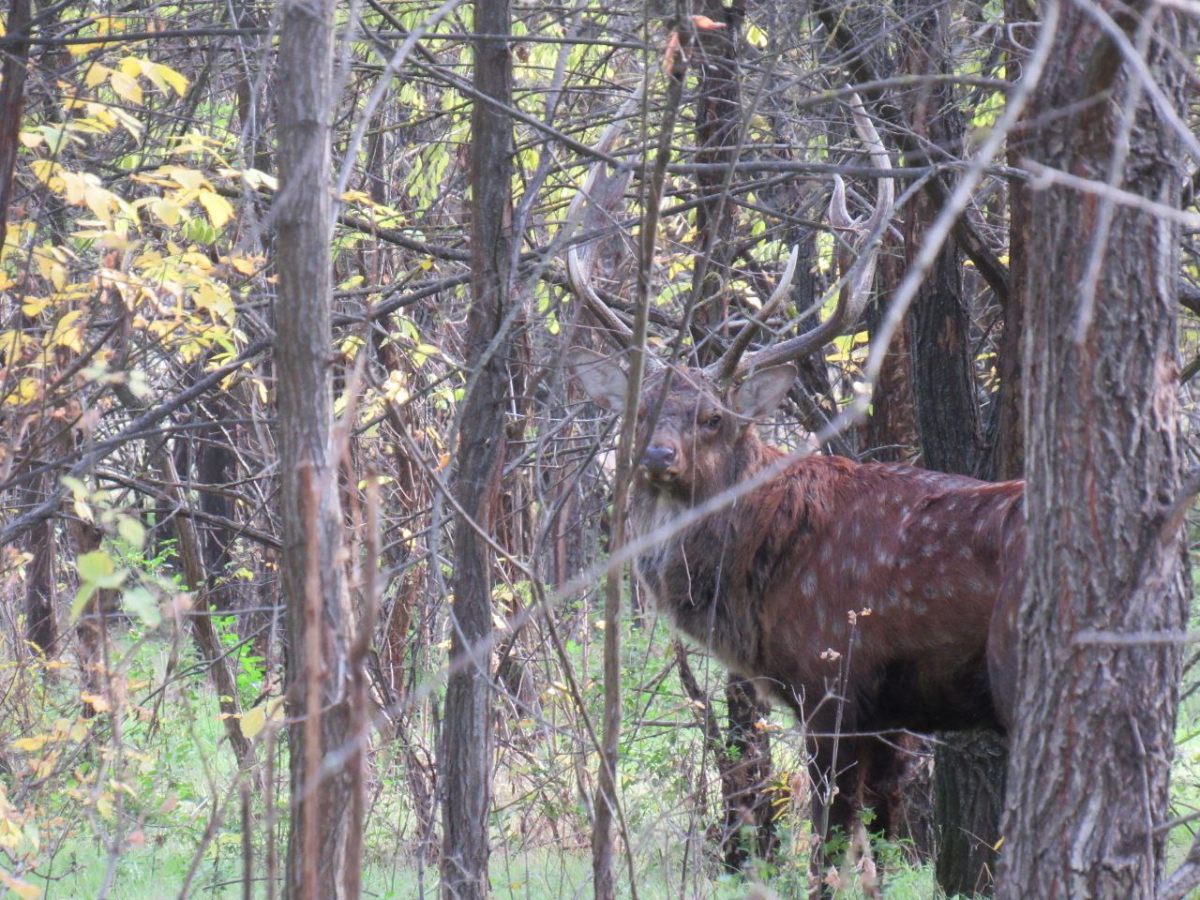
<point>659,459</point>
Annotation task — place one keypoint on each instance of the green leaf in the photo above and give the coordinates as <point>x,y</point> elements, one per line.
<point>199,231</point>
<point>141,603</point>
<point>77,488</point>
<point>132,531</point>
<point>95,566</point>
<point>81,601</point>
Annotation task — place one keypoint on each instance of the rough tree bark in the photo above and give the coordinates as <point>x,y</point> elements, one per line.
<point>313,583</point>
<point>968,768</point>
<point>466,751</point>
<point>1094,736</point>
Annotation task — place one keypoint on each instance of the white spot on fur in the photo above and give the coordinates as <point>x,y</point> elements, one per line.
<point>808,584</point>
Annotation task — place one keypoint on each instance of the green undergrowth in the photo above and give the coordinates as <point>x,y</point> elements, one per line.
<point>151,794</point>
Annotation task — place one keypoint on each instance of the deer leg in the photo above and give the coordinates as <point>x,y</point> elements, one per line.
<point>884,766</point>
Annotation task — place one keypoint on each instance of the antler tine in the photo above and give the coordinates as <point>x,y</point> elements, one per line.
<point>727,366</point>
<point>606,190</point>
<point>578,272</point>
<point>854,297</point>
<point>839,216</point>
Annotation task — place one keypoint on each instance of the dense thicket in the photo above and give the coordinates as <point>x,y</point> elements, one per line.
<point>270,273</point>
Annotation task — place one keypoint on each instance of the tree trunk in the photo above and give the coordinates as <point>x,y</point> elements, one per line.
<point>718,135</point>
<point>969,769</point>
<point>1006,443</point>
<point>745,768</point>
<point>466,751</point>
<point>313,585</point>
<point>1094,733</point>
<point>41,593</point>
<point>12,102</point>
<point>890,433</point>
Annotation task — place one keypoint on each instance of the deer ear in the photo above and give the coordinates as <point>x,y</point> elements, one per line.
<point>601,377</point>
<point>761,393</point>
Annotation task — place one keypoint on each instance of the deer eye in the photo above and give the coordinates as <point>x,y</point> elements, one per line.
<point>714,421</point>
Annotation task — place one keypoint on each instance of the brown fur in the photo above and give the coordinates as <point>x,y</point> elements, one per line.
<point>862,596</point>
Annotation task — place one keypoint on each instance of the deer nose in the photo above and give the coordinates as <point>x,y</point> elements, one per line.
<point>658,458</point>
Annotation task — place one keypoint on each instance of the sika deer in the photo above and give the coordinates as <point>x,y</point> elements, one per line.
<point>862,596</point>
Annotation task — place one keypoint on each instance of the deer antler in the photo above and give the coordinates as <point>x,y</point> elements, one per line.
<point>854,297</point>
<point>727,366</point>
<point>592,207</point>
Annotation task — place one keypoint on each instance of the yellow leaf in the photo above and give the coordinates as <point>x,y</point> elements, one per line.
<point>98,703</point>
<point>31,744</point>
<point>243,265</point>
<point>22,889</point>
<point>96,74</point>
<point>11,343</point>
<point>81,49</point>
<point>166,211</point>
<point>28,390</point>
<point>34,305</point>
<point>218,208</point>
<point>169,75</point>
<point>67,333</point>
<point>185,178</point>
<point>131,66</point>
<point>126,87</point>
<point>259,180</point>
<point>128,122</point>
<point>47,172</point>
<point>101,202</point>
<point>104,806</point>
<point>208,297</point>
<point>30,139</point>
<point>253,722</point>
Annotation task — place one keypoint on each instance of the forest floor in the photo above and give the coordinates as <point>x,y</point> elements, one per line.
<point>175,771</point>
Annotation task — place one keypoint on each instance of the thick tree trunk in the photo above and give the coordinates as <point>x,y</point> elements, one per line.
<point>1095,716</point>
<point>314,591</point>
<point>466,751</point>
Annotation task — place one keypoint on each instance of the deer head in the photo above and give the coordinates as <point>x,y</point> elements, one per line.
<point>690,419</point>
<point>688,424</point>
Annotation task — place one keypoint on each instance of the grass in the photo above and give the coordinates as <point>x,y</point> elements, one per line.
<point>174,770</point>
